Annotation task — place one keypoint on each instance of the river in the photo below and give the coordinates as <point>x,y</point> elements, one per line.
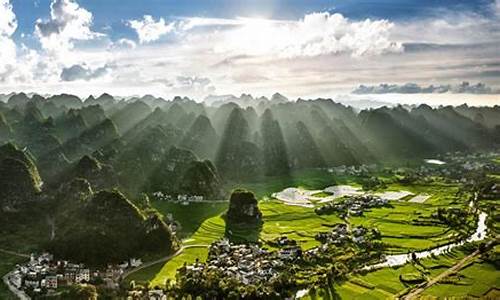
<point>401,259</point>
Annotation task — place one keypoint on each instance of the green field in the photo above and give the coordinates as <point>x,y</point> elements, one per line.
<point>308,179</point>
<point>190,216</point>
<point>475,279</point>
<point>203,224</point>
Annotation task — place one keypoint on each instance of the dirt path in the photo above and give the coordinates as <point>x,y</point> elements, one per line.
<point>15,253</point>
<point>160,260</point>
<point>413,294</point>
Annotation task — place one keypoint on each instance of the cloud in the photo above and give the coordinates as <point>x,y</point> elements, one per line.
<point>325,33</point>
<point>123,44</point>
<point>8,25</point>
<point>149,30</point>
<point>68,22</point>
<point>314,35</point>
<point>82,72</point>
<point>8,21</point>
<point>413,88</point>
<point>192,86</point>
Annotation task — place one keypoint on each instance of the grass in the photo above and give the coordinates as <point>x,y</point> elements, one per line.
<point>212,229</point>
<point>190,216</point>
<point>321,195</point>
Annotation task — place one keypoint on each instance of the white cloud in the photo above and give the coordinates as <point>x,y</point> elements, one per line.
<point>123,44</point>
<point>8,25</point>
<point>68,23</point>
<point>150,30</point>
<point>314,35</point>
<point>325,33</point>
<point>8,22</point>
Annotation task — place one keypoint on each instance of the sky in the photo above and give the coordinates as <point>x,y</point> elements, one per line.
<point>437,52</point>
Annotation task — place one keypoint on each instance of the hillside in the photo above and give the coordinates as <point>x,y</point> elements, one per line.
<point>19,179</point>
<point>105,227</point>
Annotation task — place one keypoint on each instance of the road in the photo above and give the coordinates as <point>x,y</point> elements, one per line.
<point>19,293</point>
<point>15,253</point>
<point>413,294</point>
<point>160,260</point>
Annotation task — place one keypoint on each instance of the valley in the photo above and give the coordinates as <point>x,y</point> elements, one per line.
<point>189,200</point>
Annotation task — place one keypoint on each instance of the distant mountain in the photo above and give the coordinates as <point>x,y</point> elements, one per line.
<point>362,104</point>
<point>244,100</point>
<point>244,137</point>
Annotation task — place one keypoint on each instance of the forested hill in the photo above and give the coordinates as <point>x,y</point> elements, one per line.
<point>180,146</point>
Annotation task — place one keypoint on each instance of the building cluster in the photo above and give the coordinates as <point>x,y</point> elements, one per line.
<point>182,199</point>
<point>248,263</point>
<point>492,192</point>
<point>352,205</point>
<point>352,170</point>
<point>341,235</point>
<point>43,274</point>
<point>151,294</point>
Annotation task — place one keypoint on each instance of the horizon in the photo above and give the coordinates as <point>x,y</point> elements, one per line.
<point>399,52</point>
<point>360,102</point>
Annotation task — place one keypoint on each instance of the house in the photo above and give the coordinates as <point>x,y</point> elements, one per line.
<point>135,262</point>
<point>70,276</point>
<point>51,282</point>
<point>82,275</point>
<point>31,282</point>
<point>358,239</point>
<point>16,280</point>
<point>358,231</point>
<point>157,295</point>
<point>290,253</point>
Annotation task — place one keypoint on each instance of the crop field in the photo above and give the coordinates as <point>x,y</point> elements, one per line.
<point>308,179</point>
<point>202,224</point>
<point>298,223</point>
<point>190,216</point>
<point>474,280</point>
<point>386,281</point>
<point>400,230</point>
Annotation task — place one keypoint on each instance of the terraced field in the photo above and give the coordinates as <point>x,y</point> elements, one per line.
<point>473,281</point>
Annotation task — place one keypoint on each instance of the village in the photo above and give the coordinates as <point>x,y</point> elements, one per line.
<point>43,275</point>
<point>181,199</point>
<point>340,235</point>
<point>352,205</point>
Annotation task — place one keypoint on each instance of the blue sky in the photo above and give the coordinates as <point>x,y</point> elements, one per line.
<point>300,48</point>
<point>114,12</point>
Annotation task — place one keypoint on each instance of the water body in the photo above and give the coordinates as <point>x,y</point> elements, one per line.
<point>401,259</point>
